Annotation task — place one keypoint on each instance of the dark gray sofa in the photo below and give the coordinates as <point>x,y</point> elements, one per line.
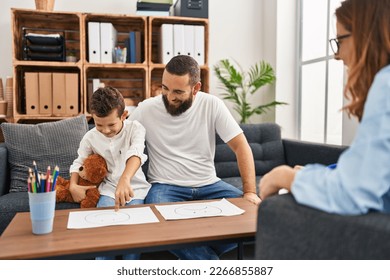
<point>269,151</point>
<point>287,230</point>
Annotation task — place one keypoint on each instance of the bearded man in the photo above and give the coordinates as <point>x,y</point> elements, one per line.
<point>181,126</point>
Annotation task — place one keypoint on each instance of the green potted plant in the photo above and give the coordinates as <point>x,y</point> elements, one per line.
<point>239,84</point>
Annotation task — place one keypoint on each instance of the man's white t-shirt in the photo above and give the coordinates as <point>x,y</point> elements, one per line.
<point>181,148</point>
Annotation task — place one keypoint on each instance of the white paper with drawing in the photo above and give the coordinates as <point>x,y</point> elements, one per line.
<point>198,210</point>
<point>102,218</point>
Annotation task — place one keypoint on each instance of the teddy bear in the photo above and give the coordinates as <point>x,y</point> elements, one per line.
<point>92,172</point>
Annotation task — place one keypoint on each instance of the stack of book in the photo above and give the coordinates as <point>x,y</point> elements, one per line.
<point>154,7</point>
<point>134,47</point>
<point>46,47</point>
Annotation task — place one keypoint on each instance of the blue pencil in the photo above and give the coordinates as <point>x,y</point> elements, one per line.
<point>43,183</point>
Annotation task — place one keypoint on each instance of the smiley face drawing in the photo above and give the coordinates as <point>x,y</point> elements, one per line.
<point>107,218</point>
<point>193,210</point>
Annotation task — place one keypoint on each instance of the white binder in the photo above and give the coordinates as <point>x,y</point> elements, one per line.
<point>189,42</point>
<point>178,39</point>
<point>199,44</point>
<point>108,41</point>
<point>94,42</point>
<point>166,43</point>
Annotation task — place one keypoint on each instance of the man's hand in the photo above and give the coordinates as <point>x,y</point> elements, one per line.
<point>252,197</point>
<point>78,192</point>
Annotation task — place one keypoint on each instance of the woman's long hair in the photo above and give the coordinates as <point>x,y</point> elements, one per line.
<point>369,24</point>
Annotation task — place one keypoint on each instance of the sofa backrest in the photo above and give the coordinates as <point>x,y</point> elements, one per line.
<point>47,144</point>
<point>267,148</point>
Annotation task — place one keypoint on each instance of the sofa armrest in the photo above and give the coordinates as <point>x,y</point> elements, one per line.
<point>4,172</point>
<point>302,153</point>
<point>287,230</point>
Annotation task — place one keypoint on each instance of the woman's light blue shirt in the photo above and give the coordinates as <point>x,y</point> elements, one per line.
<point>361,181</point>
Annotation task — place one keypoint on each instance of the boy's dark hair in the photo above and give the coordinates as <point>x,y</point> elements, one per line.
<point>182,65</point>
<point>106,99</point>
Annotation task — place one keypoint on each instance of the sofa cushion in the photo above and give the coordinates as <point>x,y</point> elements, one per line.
<point>50,143</point>
<point>237,181</point>
<point>267,148</point>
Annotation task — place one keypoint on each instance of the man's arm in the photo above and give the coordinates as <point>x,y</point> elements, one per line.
<point>246,165</point>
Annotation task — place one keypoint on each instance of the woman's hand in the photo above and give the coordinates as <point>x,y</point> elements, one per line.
<point>280,177</point>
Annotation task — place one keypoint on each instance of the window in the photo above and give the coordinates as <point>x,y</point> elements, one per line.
<point>321,77</point>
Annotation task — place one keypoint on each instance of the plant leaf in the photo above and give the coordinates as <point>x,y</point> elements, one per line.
<point>261,74</point>
<point>261,109</point>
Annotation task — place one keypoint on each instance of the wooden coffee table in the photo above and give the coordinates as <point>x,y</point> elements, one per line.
<point>18,242</point>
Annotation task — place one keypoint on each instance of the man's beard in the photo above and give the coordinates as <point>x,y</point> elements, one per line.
<point>176,111</point>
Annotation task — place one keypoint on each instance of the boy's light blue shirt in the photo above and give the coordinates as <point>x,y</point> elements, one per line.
<point>361,180</point>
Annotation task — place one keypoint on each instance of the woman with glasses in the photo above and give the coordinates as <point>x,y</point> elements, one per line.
<point>361,180</point>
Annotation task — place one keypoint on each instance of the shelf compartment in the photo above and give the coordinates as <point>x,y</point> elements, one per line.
<point>40,22</point>
<point>155,29</point>
<point>123,24</point>
<point>20,91</point>
<point>131,82</point>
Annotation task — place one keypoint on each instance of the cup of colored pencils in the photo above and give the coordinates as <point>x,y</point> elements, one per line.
<point>42,198</point>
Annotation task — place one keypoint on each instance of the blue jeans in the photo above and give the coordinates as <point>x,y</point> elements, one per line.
<point>160,193</point>
<point>106,201</point>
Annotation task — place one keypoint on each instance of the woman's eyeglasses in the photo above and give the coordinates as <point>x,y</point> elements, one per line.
<point>335,43</point>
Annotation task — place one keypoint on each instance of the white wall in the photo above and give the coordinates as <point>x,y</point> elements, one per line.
<point>236,33</point>
<point>286,70</point>
<point>279,47</point>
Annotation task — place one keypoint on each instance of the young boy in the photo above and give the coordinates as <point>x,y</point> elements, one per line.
<point>122,145</point>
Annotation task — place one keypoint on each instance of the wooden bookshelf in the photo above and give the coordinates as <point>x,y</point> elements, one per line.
<point>136,81</point>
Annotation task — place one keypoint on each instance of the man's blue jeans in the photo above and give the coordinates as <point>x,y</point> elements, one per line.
<point>106,201</point>
<point>159,193</point>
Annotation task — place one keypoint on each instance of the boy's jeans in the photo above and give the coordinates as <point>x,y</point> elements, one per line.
<point>106,201</point>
